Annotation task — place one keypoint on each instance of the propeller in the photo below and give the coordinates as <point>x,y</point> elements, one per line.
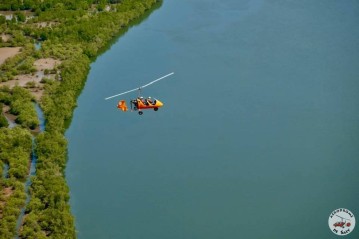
<point>141,87</point>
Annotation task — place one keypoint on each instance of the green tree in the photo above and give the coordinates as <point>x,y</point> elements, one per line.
<point>3,121</point>
<point>20,16</point>
<point>2,19</point>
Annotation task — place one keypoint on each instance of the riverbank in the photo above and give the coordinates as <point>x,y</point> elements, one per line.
<point>88,32</point>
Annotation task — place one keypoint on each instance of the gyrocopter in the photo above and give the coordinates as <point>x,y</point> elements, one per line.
<point>140,103</point>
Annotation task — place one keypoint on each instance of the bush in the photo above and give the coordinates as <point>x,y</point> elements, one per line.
<point>76,40</point>
<point>3,121</point>
<point>20,16</point>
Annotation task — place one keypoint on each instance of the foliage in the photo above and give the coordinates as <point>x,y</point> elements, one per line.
<point>3,121</point>
<point>22,63</point>
<point>2,19</point>
<point>74,32</point>
<point>15,151</point>
<point>20,103</point>
<point>20,16</point>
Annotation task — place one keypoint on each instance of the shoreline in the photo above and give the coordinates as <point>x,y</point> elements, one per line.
<point>58,99</point>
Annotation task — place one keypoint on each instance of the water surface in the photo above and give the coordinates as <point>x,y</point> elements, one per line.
<point>259,135</point>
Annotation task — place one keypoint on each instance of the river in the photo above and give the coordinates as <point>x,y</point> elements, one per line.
<point>258,136</point>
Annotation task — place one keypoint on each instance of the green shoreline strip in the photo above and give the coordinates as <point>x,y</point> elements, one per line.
<point>77,36</point>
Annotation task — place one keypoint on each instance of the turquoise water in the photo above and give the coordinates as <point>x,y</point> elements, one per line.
<point>32,169</point>
<point>5,170</point>
<point>258,137</point>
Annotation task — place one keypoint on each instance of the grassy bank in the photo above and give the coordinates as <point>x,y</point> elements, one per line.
<point>75,34</point>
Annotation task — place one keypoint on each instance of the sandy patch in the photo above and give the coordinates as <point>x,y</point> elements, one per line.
<point>7,192</point>
<point>9,15</point>
<point>7,52</point>
<point>46,63</point>
<point>5,108</point>
<point>37,93</point>
<point>21,80</point>
<point>5,37</point>
<point>46,24</point>
<point>33,82</point>
<point>36,87</point>
<point>10,117</point>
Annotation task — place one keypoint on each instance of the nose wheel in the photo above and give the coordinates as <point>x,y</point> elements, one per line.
<point>140,112</point>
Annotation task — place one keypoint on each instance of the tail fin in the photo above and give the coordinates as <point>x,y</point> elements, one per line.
<point>122,105</point>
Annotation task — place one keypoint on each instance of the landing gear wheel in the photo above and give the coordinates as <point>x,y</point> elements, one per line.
<point>140,112</point>
<point>155,109</point>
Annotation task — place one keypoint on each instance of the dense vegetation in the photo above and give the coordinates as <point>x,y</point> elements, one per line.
<point>3,121</point>
<point>21,105</point>
<point>74,32</point>
<point>15,151</point>
<point>39,5</point>
<point>19,64</point>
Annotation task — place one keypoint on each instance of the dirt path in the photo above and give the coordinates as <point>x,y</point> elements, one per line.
<point>7,52</point>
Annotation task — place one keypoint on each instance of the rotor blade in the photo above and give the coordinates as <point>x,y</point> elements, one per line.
<point>157,80</point>
<point>343,217</point>
<point>121,93</point>
<point>140,86</point>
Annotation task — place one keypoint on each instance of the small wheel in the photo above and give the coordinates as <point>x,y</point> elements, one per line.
<point>155,109</point>
<point>140,112</point>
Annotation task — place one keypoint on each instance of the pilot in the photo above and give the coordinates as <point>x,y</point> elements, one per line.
<point>143,100</point>
<point>149,100</point>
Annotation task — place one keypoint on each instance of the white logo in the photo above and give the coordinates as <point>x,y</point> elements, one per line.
<point>341,221</point>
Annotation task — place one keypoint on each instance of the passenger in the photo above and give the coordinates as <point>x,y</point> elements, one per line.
<point>149,100</point>
<point>144,101</point>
